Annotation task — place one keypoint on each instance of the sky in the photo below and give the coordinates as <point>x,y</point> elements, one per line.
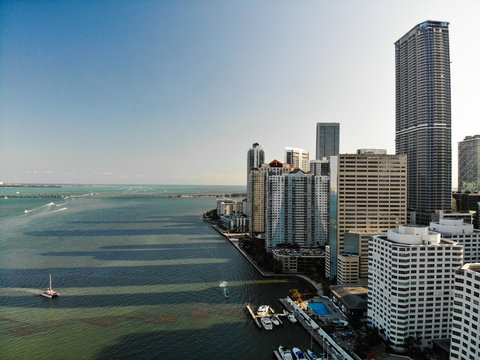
<point>176,92</point>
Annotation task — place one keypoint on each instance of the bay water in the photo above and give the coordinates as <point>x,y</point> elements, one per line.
<point>138,278</point>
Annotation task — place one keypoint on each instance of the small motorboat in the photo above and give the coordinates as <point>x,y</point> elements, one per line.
<point>292,318</point>
<point>275,321</point>
<point>299,355</point>
<point>226,293</point>
<point>266,323</point>
<point>312,355</point>
<point>50,293</point>
<point>263,310</point>
<point>285,353</point>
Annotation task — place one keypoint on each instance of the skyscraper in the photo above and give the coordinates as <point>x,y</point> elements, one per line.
<point>367,195</point>
<point>256,187</point>
<point>298,158</point>
<point>296,210</point>
<point>469,164</point>
<point>423,117</point>
<point>328,135</point>
<point>255,157</point>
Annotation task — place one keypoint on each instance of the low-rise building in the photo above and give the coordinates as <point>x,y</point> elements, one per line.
<point>348,267</point>
<point>226,206</point>
<point>350,299</point>
<point>234,223</point>
<point>298,261</point>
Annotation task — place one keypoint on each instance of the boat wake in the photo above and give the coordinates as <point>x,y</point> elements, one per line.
<point>47,206</point>
<point>46,209</point>
<point>27,290</point>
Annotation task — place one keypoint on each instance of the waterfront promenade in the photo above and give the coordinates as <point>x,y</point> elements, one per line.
<point>234,242</point>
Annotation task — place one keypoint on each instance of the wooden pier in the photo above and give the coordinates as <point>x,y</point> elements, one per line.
<point>254,317</point>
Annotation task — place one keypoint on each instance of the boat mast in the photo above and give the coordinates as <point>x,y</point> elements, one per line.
<point>50,288</point>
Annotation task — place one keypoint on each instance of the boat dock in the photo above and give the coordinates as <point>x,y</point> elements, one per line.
<point>277,355</point>
<point>254,317</point>
<point>318,334</point>
<point>271,312</point>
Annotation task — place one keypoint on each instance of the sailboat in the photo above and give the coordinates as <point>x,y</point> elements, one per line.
<point>50,293</point>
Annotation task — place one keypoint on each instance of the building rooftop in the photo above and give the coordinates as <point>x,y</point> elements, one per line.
<point>299,252</point>
<point>352,297</point>
<point>472,267</point>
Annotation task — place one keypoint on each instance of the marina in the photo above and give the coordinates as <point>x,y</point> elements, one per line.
<point>265,311</point>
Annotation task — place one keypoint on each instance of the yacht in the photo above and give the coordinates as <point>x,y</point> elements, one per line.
<point>266,323</point>
<point>312,355</point>
<point>275,321</point>
<point>50,293</point>
<point>263,310</point>
<point>298,354</point>
<point>292,318</point>
<point>285,353</point>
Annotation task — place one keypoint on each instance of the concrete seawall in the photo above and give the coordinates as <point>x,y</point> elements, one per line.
<point>265,273</point>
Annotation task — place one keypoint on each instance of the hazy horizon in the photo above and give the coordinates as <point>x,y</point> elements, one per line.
<point>174,92</point>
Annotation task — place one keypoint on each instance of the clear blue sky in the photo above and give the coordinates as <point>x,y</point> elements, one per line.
<point>175,92</point>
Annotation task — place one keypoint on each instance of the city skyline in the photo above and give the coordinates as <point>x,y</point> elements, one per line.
<point>139,93</point>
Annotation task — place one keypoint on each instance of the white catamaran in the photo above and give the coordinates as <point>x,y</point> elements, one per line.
<point>50,293</point>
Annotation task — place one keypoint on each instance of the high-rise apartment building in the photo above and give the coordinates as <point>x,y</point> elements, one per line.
<point>467,202</point>
<point>458,228</point>
<point>296,210</point>
<point>255,157</point>
<point>423,117</point>
<point>469,164</point>
<point>465,341</point>
<point>298,158</point>
<point>320,167</point>
<point>257,180</point>
<point>328,140</point>
<point>367,195</point>
<point>410,285</point>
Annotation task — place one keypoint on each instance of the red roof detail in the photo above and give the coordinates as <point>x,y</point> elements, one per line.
<point>276,164</point>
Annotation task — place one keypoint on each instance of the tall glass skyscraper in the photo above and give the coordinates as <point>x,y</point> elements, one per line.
<point>469,164</point>
<point>255,157</point>
<point>423,117</point>
<point>328,135</point>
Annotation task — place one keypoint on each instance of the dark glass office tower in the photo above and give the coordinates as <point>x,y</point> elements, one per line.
<point>423,117</point>
<point>328,135</point>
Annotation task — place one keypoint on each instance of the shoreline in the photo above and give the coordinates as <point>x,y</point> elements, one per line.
<point>262,272</point>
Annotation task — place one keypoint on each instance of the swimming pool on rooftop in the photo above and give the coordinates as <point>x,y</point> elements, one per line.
<point>319,308</point>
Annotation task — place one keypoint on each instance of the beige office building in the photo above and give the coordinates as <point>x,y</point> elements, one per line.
<point>368,194</point>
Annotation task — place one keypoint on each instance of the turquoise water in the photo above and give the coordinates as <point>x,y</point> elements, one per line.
<point>319,308</point>
<point>138,279</point>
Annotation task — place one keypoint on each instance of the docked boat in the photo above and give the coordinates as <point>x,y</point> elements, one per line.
<point>266,323</point>
<point>275,321</point>
<point>50,293</point>
<point>285,353</point>
<point>292,318</point>
<point>299,355</point>
<point>263,310</point>
<point>312,355</point>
